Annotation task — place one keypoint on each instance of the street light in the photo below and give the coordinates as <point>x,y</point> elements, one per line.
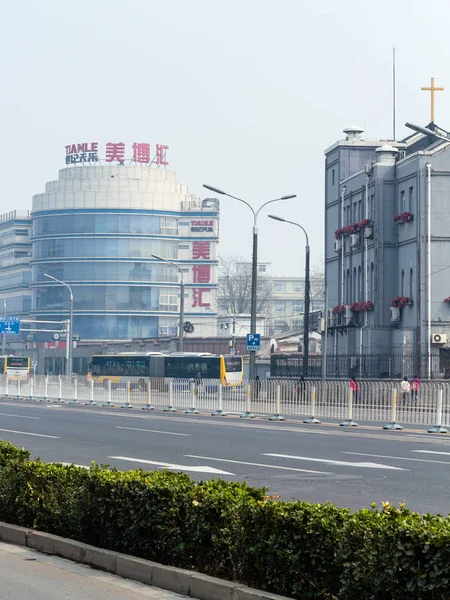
<point>181,328</point>
<point>307,295</point>
<point>69,340</point>
<point>4,317</point>
<point>252,363</point>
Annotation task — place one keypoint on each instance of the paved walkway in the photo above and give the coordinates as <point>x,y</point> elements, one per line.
<point>28,575</point>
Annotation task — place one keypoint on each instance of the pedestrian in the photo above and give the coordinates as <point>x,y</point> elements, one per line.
<point>406,389</point>
<point>415,384</point>
<point>354,387</point>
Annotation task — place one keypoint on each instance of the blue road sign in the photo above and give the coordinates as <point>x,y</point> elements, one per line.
<point>253,342</point>
<point>10,325</point>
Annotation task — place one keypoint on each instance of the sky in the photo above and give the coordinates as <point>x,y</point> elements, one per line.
<point>247,94</point>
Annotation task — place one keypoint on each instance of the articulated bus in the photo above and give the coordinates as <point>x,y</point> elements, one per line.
<point>228,369</point>
<point>15,367</point>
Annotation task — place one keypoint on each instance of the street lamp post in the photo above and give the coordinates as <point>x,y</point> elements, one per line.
<point>4,317</point>
<point>181,327</point>
<point>252,362</point>
<point>307,296</point>
<point>69,340</point>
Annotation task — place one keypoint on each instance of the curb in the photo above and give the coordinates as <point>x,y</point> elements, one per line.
<point>188,583</point>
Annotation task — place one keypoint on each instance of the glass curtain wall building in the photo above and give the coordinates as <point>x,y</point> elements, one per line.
<point>97,227</point>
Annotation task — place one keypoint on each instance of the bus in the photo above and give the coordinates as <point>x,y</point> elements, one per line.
<point>228,369</point>
<point>15,367</point>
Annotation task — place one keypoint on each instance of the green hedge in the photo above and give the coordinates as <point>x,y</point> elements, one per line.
<point>230,530</point>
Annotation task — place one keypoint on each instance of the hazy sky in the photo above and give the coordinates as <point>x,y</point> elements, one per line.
<point>247,94</point>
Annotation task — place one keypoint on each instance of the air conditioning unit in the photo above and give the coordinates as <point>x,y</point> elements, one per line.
<point>337,245</point>
<point>355,239</point>
<point>439,338</point>
<point>348,315</point>
<point>395,314</point>
<point>368,233</point>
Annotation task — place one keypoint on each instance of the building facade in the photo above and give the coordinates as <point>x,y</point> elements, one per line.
<point>15,258</point>
<point>387,248</point>
<point>98,228</point>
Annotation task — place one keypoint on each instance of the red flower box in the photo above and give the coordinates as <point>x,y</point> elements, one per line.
<point>404,217</point>
<point>365,306</point>
<point>353,228</point>
<point>340,308</point>
<point>400,301</point>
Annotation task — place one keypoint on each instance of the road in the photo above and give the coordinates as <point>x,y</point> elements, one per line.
<point>29,575</point>
<point>316,463</point>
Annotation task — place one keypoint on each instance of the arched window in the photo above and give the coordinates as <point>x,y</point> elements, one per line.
<point>354,285</point>
<point>360,290</point>
<point>410,284</point>
<point>349,288</point>
<point>372,282</point>
<point>402,283</point>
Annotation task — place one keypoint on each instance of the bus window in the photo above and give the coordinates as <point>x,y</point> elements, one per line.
<point>233,364</point>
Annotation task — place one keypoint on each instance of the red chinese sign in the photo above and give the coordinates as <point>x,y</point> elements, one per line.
<point>197,297</point>
<point>87,152</point>
<point>201,250</point>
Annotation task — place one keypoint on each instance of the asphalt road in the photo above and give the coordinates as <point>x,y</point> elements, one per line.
<point>29,575</point>
<point>316,463</point>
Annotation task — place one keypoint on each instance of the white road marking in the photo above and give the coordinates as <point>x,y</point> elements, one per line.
<point>172,467</point>
<point>154,431</point>
<point>55,437</point>
<point>240,462</point>
<point>431,452</point>
<point>68,464</point>
<point>439,462</point>
<point>340,463</point>
<point>18,416</point>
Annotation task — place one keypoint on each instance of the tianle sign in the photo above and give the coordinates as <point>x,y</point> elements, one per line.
<point>115,152</point>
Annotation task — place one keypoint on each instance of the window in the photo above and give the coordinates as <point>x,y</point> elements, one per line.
<point>332,177</point>
<point>360,291</point>
<point>280,307</point>
<point>297,307</point>
<point>280,286</point>
<point>359,212</point>
<point>354,298</point>
<point>410,199</point>
<point>349,287</point>
<point>372,282</point>
<point>410,284</point>
<point>21,232</point>
<point>297,287</point>
<point>402,283</point>
<point>402,201</point>
<point>262,268</point>
<point>372,206</point>
<point>355,212</point>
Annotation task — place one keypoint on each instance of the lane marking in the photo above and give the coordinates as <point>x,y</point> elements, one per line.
<point>54,437</point>
<point>439,462</point>
<point>172,467</point>
<point>431,452</point>
<point>153,431</point>
<point>69,464</point>
<point>240,462</point>
<point>339,463</point>
<point>18,416</point>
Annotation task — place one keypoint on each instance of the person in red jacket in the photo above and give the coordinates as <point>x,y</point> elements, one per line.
<point>354,387</point>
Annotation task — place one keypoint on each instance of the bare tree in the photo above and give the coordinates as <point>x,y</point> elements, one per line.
<point>317,281</point>
<point>234,287</point>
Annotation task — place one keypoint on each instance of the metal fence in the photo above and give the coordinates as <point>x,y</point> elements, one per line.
<point>381,402</point>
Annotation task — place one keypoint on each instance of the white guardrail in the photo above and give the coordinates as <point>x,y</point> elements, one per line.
<point>376,401</point>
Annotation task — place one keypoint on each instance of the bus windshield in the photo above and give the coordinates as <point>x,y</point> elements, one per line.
<point>17,362</point>
<point>233,364</point>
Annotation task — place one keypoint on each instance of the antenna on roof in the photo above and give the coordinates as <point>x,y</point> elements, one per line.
<point>393,93</point>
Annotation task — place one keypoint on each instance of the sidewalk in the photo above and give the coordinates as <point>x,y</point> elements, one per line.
<point>29,575</point>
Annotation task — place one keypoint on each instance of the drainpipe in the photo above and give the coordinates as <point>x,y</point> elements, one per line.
<point>366,281</point>
<point>344,189</point>
<point>429,266</point>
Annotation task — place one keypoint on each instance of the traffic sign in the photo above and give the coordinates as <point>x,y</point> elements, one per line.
<point>253,342</point>
<point>232,351</point>
<point>63,336</point>
<point>34,363</point>
<point>10,325</point>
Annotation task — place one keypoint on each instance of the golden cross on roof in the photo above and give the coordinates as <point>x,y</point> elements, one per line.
<point>432,89</point>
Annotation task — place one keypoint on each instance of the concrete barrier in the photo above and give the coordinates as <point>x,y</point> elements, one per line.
<point>181,581</point>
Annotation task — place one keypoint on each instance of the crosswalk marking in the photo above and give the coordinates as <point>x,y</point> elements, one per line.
<point>340,463</point>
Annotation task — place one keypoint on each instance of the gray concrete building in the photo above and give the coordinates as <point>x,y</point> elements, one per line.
<point>387,249</point>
